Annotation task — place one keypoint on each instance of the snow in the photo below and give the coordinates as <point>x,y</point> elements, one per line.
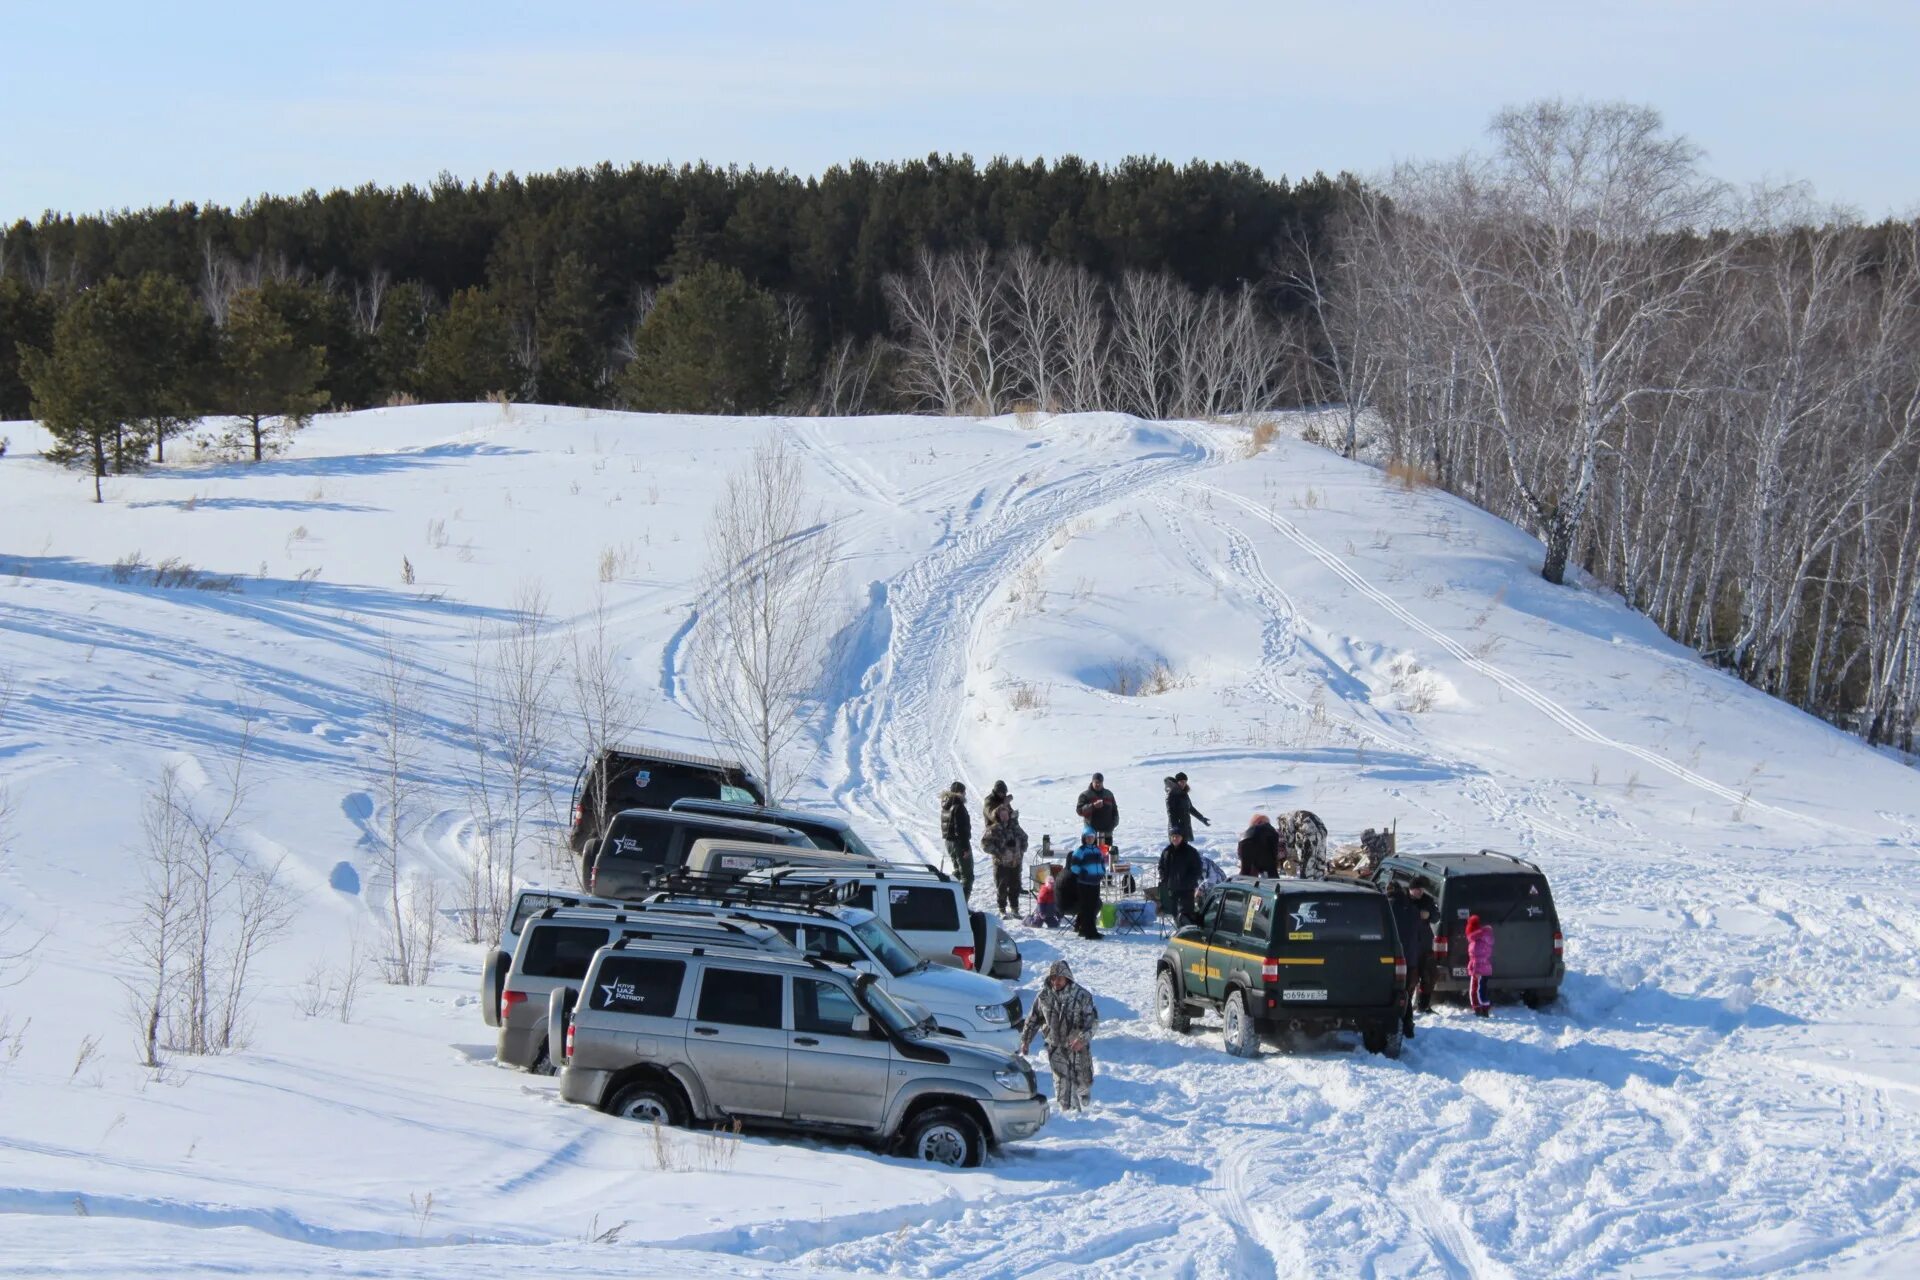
<point>1729,1087</point>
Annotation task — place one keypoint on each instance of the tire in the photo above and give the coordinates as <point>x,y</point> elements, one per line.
<point>1173,1015</point>
<point>945,1135</point>
<point>1383,1038</point>
<point>493,979</point>
<point>553,1049</point>
<point>1540,998</point>
<point>650,1103</point>
<point>1238,1029</point>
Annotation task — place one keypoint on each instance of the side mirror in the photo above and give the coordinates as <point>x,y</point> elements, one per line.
<point>862,1025</point>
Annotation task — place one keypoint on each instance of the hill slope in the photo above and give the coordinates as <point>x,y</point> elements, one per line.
<point>1728,1087</point>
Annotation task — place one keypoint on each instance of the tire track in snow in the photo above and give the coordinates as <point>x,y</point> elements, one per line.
<point>1575,726</point>
<point>901,727</point>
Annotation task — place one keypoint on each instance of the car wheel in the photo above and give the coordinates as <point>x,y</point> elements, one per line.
<point>1383,1038</point>
<point>1173,1014</point>
<point>1238,1029</point>
<point>543,1063</point>
<point>946,1136</point>
<point>650,1104</point>
<point>1540,999</point>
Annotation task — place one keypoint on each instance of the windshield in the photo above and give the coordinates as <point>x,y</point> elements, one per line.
<point>888,1010</point>
<point>852,843</point>
<point>888,947</point>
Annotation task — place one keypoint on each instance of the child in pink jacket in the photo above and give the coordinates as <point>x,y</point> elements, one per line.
<point>1479,964</point>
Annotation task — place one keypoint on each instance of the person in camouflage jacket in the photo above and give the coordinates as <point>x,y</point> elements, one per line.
<point>1064,1016</point>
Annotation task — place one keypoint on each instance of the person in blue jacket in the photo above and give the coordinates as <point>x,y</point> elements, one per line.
<point>1087,864</point>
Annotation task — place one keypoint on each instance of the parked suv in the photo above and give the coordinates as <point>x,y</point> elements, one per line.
<point>969,1005</point>
<point>557,947</point>
<point>641,845</point>
<point>1276,955</point>
<point>680,1034</point>
<point>649,778</point>
<point>925,906</point>
<point>825,830</point>
<point>1509,893</point>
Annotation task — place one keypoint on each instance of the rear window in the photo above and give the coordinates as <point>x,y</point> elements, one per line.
<point>700,831</point>
<point>636,984</point>
<point>1500,899</point>
<point>916,908</point>
<point>637,839</point>
<point>1333,917</point>
<point>655,785</point>
<point>532,904</point>
<point>561,951</point>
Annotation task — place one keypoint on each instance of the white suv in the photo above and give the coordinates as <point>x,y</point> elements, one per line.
<point>970,1005</point>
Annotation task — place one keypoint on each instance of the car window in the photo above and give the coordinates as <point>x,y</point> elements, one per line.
<point>852,843</point>
<point>923,908</point>
<point>1501,899</point>
<point>832,944</point>
<point>637,984</point>
<point>637,839</point>
<point>823,1007</point>
<point>1335,917</point>
<point>737,795</point>
<point>862,898</point>
<point>893,951</point>
<point>561,951</point>
<point>1210,912</point>
<point>740,998</point>
<point>1259,925</point>
<point>1233,909</point>
<point>532,904</point>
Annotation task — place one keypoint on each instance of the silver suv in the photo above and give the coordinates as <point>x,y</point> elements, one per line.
<point>680,1034</point>
<point>556,948</point>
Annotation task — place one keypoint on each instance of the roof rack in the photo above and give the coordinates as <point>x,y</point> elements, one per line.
<point>893,870</point>
<point>1500,853</point>
<point>794,956</point>
<point>675,757</point>
<point>773,889</point>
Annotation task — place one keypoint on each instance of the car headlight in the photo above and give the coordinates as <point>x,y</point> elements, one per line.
<point>1013,1080</point>
<point>991,1012</point>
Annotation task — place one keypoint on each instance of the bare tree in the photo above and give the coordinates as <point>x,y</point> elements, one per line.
<point>767,610</point>
<point>157,934</point>
<point>848,377</point>
<point>1035,297</point>
<point>604,709</point>
<point>511,724</point>
<point>1561,269</point>
<point>926,309</point>
<point>396,799</point>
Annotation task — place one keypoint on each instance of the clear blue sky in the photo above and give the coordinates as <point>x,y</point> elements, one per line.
<point>110,105</point>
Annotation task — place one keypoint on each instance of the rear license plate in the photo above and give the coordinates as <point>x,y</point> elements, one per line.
<point>1459,973</point>
<point>1303,994</point>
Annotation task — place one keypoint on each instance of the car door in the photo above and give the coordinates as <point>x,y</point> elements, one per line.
<point>1190,945</point>
<point>1223,941</point>
<point>834,1075</point>
<point>738,1040</point>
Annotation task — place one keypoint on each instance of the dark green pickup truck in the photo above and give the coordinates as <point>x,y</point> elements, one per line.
<point>1274,955</point>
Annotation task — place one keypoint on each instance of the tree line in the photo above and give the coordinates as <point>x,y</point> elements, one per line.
<point>537,287</point>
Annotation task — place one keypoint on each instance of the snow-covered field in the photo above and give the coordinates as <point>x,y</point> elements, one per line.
<point>1729,1087</point>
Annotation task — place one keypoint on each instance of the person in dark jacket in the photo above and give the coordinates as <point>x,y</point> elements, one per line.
<point>1006,843</point>
<point>1422,969</point>
<point>1406,923</point>
<point>1260,848</point>
<point>1180,810</point>
<point>995,798</point>
<point>1098,809</point>
<point>1180,872</point>
<point>1087,865</point>
<point>956,828</point>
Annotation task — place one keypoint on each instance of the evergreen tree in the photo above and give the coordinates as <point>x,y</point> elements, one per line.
<point>319,317</point>
<point>26,320</point>
<point>711,344</point>
<point>572,361</point>
<point>268,382</point>
<point>395,347</point>
<point>79,393</point>
<point>468,353</point>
